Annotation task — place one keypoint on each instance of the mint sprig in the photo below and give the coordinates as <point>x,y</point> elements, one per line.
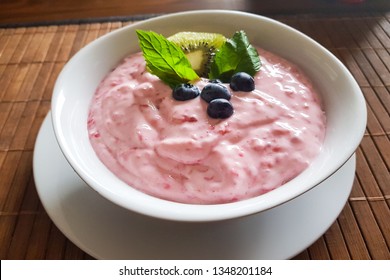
<point>165,59</point>
<point>236,55</point>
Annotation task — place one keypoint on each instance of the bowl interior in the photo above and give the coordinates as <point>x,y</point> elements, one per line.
<point>343,103</point>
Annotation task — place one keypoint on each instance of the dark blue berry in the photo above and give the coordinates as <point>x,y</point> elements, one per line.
<point>242,81</point>
<point>220,109</point>
<point>213,91</point>
<point>185,92</point>
<point>215,81</point>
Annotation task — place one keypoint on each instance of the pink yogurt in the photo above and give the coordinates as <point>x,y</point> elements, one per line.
<point>172,150</point>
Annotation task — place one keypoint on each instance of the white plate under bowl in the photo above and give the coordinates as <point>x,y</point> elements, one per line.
<point>107,231</point>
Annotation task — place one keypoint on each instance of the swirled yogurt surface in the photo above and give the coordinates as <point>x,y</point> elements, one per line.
<point>172,150</point>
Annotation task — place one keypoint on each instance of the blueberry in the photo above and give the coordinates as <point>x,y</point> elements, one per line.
<point>215,81</point>
<point>213,91</point>
<point>242,81</point>
<point>220,109</point>
<point>185,92</point>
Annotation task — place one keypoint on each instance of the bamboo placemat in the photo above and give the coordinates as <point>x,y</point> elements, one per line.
<point>32,57</point>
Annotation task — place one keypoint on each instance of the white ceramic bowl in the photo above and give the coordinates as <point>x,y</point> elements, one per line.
<point>343,101</point>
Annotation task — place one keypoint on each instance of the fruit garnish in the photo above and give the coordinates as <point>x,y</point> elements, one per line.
<point>184,92</point>
<point>165,59</point>
<point>220,109</point>
<point>236,55</point>
<point>200,48</point>
<point>183,58</point>
<point>242,81</point>
<point>213,91</point>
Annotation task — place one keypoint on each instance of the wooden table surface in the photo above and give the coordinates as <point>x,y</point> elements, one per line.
<point>32,56</point>
<point>32,11</point>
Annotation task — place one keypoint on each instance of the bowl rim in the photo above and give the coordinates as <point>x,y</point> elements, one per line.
<point>195,212</point>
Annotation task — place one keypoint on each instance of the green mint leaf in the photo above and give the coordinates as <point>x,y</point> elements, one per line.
<point>236,55</point>
<point>164,59</point>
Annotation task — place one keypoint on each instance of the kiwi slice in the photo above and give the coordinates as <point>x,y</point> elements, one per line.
<point>200,48</point>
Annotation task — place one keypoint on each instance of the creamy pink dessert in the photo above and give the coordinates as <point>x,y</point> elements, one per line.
<point>172,149</point>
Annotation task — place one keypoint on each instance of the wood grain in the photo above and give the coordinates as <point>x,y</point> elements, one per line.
<point>30,11</point>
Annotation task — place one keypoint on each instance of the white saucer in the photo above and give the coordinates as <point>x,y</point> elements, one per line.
<point>106,231</point>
